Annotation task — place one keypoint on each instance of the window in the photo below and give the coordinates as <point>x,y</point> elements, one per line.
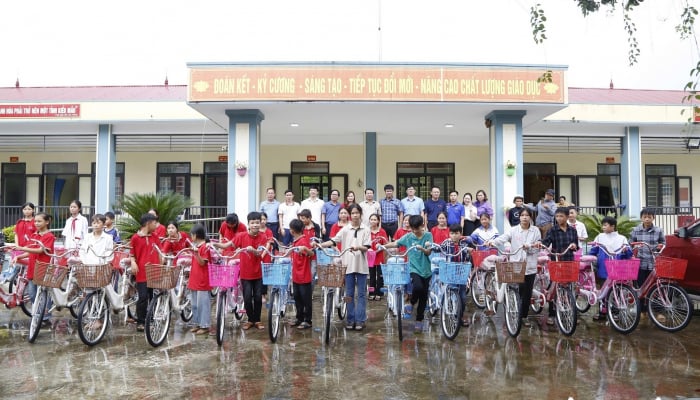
<point>61,184</point>
<point>174,177</point>
<point>308,174</point>
<point>608,185</point>
<point>118,183</point>
<point>423,176</point>
<point>663,188</point>
<point>14,184</point>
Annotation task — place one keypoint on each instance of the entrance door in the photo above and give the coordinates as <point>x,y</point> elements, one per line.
<point>14,192</point>
<point>537,178</point>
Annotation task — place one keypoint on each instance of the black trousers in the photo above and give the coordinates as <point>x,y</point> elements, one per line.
<point>390,228</point>
<point>525,290</point>
<point>145,296</point>
<point>252,299</point>
<point>419,294</point>
<point>302,301</point>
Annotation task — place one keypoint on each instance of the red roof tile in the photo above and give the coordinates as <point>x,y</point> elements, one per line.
<point>627,96</point>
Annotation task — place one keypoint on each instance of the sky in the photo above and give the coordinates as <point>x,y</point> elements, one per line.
<point>87,42</point>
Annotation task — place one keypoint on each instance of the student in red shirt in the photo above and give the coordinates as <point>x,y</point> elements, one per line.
<point>199,282</point>
<point>311,230</point>
<point>301,274</point>
<point>142,253</point>
<point>441,232</point>
<point>160,231</point>
<point>174,241</point>
<point>379,237</point>
<point>24,228</point>
<point>251,268</point>
<point>230,227</point>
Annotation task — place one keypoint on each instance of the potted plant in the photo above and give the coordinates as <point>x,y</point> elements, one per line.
<point>510,168</point>
<point>241,167</point>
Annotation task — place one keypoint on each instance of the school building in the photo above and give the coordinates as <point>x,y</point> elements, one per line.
<point>349,127</point>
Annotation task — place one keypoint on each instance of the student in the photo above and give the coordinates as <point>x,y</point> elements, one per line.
<point>199,282</point>
<point>650,234</point>
<point>343,219</point>
<point>459,253</point>
<point>379,237</point>
<point>301,274</point>
<point>98,245</point>
<point>312,231</point>
<point>579,226</point>
<point>35,253</point>
<point>356,237</point>
<point>24,229</point>
<point>143,253</point>
<point>251,268</point>
<point>526,237</point>
<point>111,229</point>
<point>76,227</point>
<point>174,240</point>
<point>230,228</point>
<point>441,231</point>
<point>561,237</point>
<point>403,230</point>
<point>514,212</point>
<point>484,232</point>
<point>287,212</point>
<point>612,242</point>
<point>160,230</point>
<point>419,266</point>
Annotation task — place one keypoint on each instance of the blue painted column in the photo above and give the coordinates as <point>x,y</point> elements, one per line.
<point>243,146</point>
<point>371,162</point>
<point>505,144</point>
<point>105,169</point>
<point>631,177</point>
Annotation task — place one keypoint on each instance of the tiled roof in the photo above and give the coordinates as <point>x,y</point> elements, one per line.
<point>93,93</point>
<point>627,96</point>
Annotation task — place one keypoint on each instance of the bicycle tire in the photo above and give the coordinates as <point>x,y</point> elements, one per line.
<point>566,310</point>
<point>158,319</point>
<point>669,307</point>
<point>93,309</point>
<point>37,314</point>
<point>477,289</point>
<point>450,314</point>
<point>25,303</point>
<point>536,304</point>
<point>398,300</point>
<point>74,307</point>
<point>186,308</point>
<point>220,317</point>
<point>623,316</point>
<point>239,307</point>
<point>512,311</point>
<point>582,304</point>
<point>489,292</point>
<point>273,323</point>
<point>327,316</point>
<point>434,296</point>
<point>213,292</point>
<point>342,308</point>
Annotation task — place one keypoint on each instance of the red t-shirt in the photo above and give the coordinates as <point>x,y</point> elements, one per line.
<point>400,232</point>
<point>334,231</point>
<point>144,253</point>
<point>309,232</point>
<point>268,232</point>
<point>301,263</point>
<point>173,246</point>
<point>199,274</point>
<point>47,239</point>
<point>250,263</point>
<point>160,231</point>
<point>229,233</point>
<point>440,235</point>
<point>22,228</point>
<point>379,258</point>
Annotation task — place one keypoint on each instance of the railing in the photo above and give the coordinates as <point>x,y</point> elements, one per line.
<point>668,218</point>
<point>210,217</point>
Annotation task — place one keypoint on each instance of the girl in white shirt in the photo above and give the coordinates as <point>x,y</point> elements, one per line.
<point>76,228</point>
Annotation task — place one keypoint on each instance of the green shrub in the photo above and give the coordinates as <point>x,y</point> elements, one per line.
<point>594,224</point>
<point>9,233</point>
<point>134,205</point>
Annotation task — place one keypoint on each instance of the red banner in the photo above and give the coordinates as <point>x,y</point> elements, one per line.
<point>39,110</point>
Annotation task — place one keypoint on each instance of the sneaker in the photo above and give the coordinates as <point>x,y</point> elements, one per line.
<point>140,328</point>
<point>526,322</point>
<point>350,326</point>
<point>259,325</point>
<point>304,325</point>
<point>296,323</point>
<point>550,320</point>
<point>46,324</point>
<point>360,326</point>
<point>419,327</point>
<point>371,297</point>
<point>407,310</point>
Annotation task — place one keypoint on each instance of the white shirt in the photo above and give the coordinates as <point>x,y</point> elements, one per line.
<point>72,238</point>
<point>287,212</point>
<point>581,231</point>
<point>101,245</point>
<point>368,209</point>
<point>315,206</point>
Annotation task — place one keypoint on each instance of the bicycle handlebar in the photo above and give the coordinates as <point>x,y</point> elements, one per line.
<point>109,252</point>
<point>225,257</point>
<point>286,253</point>
<point>550,252</point>
<point>439,247</point>
<point>608,252</point>
<point>655,251</point>
<point>415,246</point>
<point>171,257</point>
<point>323,250</point>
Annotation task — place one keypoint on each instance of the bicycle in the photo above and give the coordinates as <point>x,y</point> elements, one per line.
<point>276,275</point>
<point>622,299</point>
<point>96,280</point>
<point>18,281</point>
<point>396,275</point>
<point>331,278</point>
<point>669,306</point>
<point>553,283</point>
<point>448,279</point>
<point>170,294</point>
<point>476,277</point>
<point>225,275</point>
<point>500,288</point>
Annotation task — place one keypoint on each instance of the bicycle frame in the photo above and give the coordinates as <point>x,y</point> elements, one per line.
<point>16,297</point>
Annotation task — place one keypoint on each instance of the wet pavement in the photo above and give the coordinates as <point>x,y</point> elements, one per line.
<point>483,362</point>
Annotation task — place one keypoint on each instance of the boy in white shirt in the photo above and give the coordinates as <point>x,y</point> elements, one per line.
<point>97,246</point>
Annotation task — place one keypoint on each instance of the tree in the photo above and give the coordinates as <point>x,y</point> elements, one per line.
<point>169,205</point>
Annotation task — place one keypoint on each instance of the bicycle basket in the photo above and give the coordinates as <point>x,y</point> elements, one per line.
<point>510,271</point>
<point>563,271</point>
<point>119,256</point>
<point>396,273</point>
<point>331,275</point>
<point>276,274</point>
<point>453,273</point>
<point>49,275</point>
<point>671,268</point>
<point>221,275</point>
<point>93,276</point>
<point>161,276</point>
<point>478,256</point>
<point>323,259</point>
<point>622,270</point>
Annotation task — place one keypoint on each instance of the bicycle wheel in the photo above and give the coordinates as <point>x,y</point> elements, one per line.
<point>434,297</point>
<point>221,307</point>
<point>238,306</point>
<point>158,319</point>
<point>186,306</point>
<point>342,307</point>
<point>213,292</point>
<point>582,304</point>
<point>536,303</point>
<point>490,292</point>
<point>25,303</point>
<point>73,300</point>
<point>93,317</point>
<point>477,288</point>
<point>450,313</point>
<point>398,306</point>
<point>623,308</point>
<point>37,314</point>
<point>512,311</point>
<point>566,310</point>
<point>330,294</point>
<point>273,315</point>
<point>669,307</point>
